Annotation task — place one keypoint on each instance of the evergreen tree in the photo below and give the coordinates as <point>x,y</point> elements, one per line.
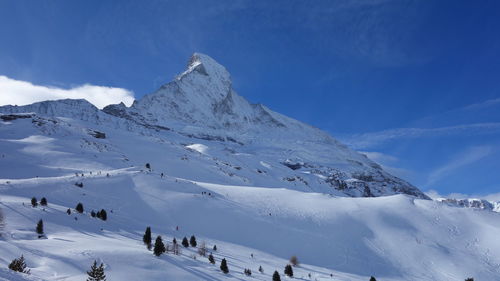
<point>469,279</point>
<point>223,266</point>
<point>92,214</point>
<point>43,201</point>
<point>211,259</point>
<point>19,265</point>
<point>146,238</point>
<point>68,211</point>
<point>174,241</point>
<point>103,215</point>
<point>34,202</point>
<point>79,208</point>
<point>276,276</point>
<point>192,241</point>
<point>39,227</point>
<point>288,270</point>
<point>261,270</point>
<point>148,166</point>
<point>159,247</point>
<point>96,273</point>
<point>247,272</point>
<point>373,279</point>
<point>185,242</point>
<point>215,248</point>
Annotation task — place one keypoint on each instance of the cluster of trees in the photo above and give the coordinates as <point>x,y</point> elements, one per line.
<point>96,273</point>
<point>100,214</point>
<point>34,202</point>
<point>247,272</point>
<point>159,248</point>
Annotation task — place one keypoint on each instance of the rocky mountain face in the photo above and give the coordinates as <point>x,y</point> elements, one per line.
<point>472,203</point>
<point>200,108</point>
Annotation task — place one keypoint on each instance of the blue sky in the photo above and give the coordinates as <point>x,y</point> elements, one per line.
<point>414,84</point>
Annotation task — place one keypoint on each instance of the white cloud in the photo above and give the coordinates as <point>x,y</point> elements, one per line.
<point>17,92</point>
<point>481,105</point>
<point>367,140</point>
<point>469,156</point>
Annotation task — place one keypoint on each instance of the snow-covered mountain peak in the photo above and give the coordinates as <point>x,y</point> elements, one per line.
<point>203,69</point>
<point>206,65</point>
<point>201,106</point>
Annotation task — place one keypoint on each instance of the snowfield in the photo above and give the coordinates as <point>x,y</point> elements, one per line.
<point>259,185</point>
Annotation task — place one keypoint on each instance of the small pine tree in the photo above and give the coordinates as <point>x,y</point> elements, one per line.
<point>146,238</point>
<point>103,215</point>
<point>79,208</point>
<point>223,266</point>
<point>192,241</point>
<point>39,227</point>
<point>34,202</point>
<point>96,273</point>
<point>159,247</point>
<point>469,279</point>
<point>92,214</point>
<point>185,242</point>
<point>288,270</point>
<point>261,270</point>
<point>19,265</point>
<point>43,201</point>
<point>148,166</point>
<point>276,276</point>
<point>373,279</point>
<point>215,248</point>
<point>174,241</point>
<point>211,259</point>
<point>247,272</point>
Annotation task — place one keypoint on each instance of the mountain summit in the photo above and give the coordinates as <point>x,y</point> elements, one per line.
<point>240,142</point>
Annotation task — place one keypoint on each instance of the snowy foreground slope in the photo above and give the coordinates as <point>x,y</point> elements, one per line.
<point>249,186</point>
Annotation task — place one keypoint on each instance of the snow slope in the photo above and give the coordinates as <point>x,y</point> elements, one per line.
<point>209,190</point>
<point>236,175</point>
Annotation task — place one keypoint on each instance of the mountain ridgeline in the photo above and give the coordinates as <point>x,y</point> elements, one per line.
<point>200,116</point>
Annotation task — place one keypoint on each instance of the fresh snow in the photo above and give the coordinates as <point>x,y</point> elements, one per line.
<point>235,175</point>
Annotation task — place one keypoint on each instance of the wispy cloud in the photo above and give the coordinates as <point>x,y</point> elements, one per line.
<point>380,157</point>
<point>17,92</point>
<point>368,140</point>
<point>388,162</point>
<point>481,105</point>
<point>465,158</point>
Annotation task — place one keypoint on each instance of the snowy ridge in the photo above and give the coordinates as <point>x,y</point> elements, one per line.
<point>472,203</point>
